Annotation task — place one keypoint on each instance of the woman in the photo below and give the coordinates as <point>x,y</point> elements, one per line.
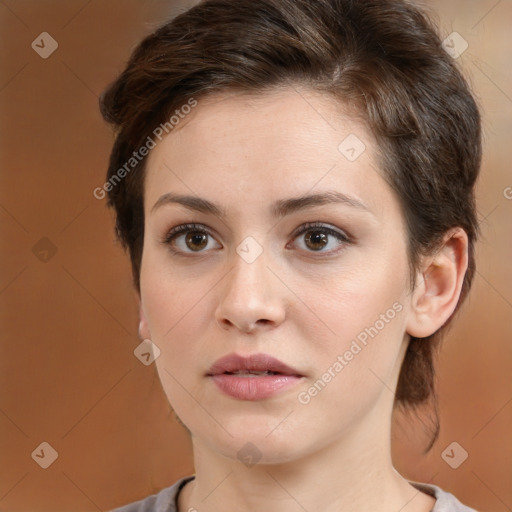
<point>294,182</point>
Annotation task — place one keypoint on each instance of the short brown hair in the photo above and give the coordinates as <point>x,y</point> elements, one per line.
<point>384,57</point>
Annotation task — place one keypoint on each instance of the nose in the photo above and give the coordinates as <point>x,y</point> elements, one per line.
<point>252,298</point>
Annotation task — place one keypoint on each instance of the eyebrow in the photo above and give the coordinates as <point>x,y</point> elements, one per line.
<point>278,209</point>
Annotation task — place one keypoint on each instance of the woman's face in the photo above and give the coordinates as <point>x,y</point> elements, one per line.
<point>251,278</point>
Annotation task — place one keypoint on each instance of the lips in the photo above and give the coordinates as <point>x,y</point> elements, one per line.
<point>255,377</point>
<point>254,364</point>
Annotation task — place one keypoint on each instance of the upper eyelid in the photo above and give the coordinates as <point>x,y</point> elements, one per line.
<point>320,225</point>
<point>184,228</point>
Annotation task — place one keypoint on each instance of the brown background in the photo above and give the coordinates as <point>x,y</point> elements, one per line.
<point>68,375</point>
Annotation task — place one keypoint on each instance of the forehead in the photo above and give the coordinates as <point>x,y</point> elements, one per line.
<point>276,116</point>
<point>256,147</point>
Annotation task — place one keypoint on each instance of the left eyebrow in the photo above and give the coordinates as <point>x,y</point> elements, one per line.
<point>278,209</point>
<point>285,207</point>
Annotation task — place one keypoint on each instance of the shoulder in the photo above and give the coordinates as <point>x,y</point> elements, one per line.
<point>164,501</point>
<point>446,502</point>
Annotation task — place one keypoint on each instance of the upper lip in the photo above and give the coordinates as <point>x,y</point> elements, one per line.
<point>232,363</point>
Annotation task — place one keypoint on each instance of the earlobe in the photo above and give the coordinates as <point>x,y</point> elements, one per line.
<point>144,332</point>
<point>438,285</point>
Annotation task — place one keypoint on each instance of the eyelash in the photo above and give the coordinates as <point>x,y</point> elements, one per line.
<point>305,228</point>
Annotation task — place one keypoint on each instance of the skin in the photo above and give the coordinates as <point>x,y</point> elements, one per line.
<point>302,306</point>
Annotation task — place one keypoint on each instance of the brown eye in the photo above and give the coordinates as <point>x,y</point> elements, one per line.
<point>316,240</point>
<point>196,240</point>
<point>320,238</point>
<point>189,238</point>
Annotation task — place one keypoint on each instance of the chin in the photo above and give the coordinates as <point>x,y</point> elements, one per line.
<point>260,451</point>
<point>255,439</point>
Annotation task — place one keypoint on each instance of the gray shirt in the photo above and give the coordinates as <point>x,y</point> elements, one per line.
<point>167,499</point>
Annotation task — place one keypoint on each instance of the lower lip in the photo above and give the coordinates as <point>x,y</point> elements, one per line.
<point>256,387</point>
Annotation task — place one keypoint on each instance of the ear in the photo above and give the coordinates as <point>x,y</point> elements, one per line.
<point>438,285</point>
<point>144,332</point>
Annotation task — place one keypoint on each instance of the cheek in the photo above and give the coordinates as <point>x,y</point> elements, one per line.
<point>177,310</point>
<point>177,315</point>
<point>355,301</point>
<point>365,313</point>
<point>172,296</point>
<point>360,363</point>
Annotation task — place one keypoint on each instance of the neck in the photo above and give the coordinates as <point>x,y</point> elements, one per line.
<point>354,473</point>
